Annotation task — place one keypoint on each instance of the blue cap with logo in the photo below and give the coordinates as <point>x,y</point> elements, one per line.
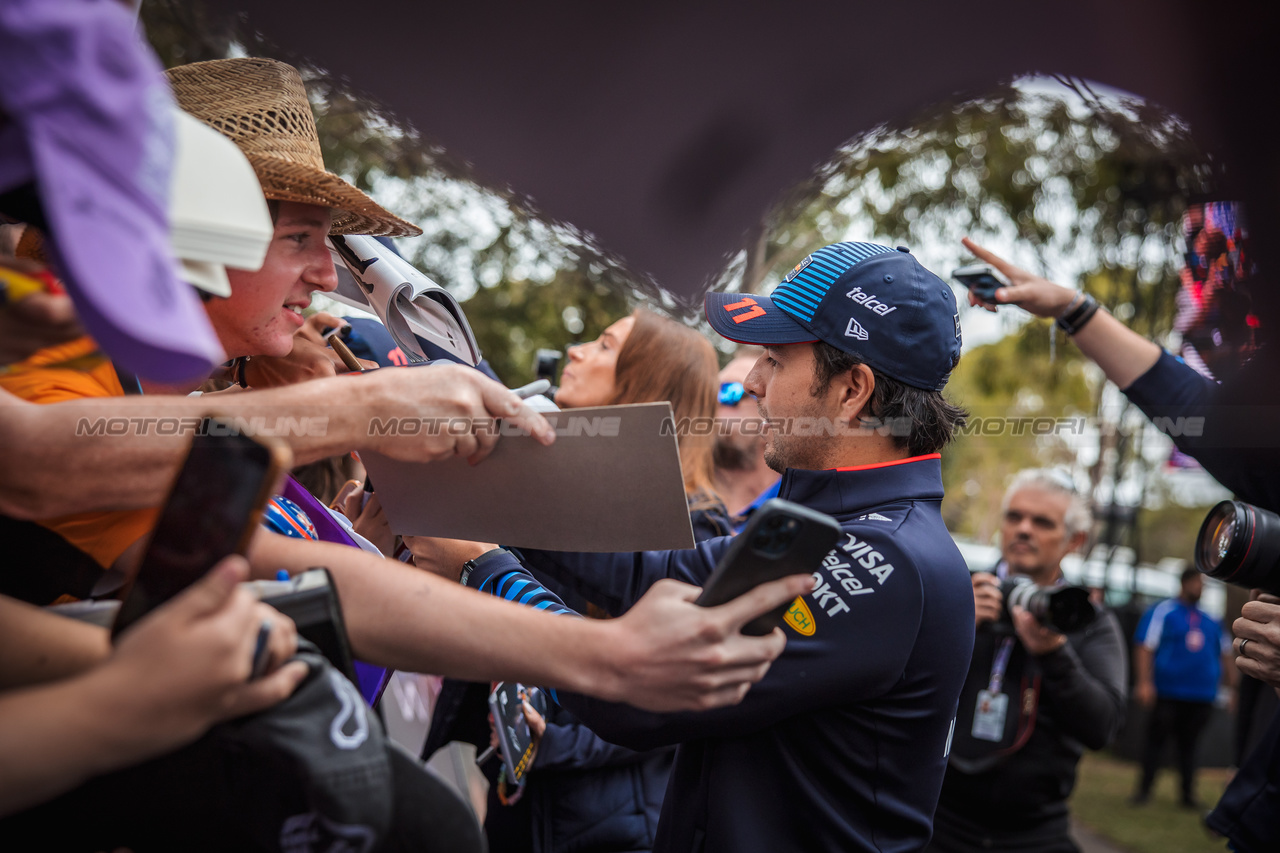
<point>873,302</point>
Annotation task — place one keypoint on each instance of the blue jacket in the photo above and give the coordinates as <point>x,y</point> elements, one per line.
<point>583,794</point>
<point>1231,431</point>
<point>844,743</point>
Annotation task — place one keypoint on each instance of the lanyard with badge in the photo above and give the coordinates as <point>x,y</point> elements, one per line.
<point>1195,637</point>
<point>993,705</point>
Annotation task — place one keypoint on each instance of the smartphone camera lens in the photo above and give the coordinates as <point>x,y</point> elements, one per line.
<point>776,536</point>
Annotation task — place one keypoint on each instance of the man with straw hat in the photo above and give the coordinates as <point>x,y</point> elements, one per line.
<point>262,106</point>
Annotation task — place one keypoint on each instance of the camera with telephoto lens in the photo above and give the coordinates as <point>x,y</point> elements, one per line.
<point>1239,544</point>
<point>1058,608</point>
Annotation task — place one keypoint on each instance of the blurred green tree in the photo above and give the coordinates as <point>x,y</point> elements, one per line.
<point>1095,183</point>
<point>1025,411</point>
<point>508,266</point>
<point>1064,170</point>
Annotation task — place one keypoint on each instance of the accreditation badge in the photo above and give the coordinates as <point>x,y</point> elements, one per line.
<point>1195,640</point>
<point>988,717</point>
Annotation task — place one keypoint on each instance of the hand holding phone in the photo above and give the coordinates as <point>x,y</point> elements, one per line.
<point>983,280</point>
<point>184,667</point>
<point>213,509</point>
<point>782,538</point>
<point>517,743</point>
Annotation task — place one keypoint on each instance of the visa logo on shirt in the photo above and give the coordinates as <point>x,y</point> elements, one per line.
<point>829,594</point>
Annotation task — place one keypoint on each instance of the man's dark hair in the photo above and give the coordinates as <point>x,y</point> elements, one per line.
<point>931,419</point>
<point>1188,573</point>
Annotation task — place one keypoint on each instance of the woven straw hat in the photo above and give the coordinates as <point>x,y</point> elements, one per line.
<point>261,105</point>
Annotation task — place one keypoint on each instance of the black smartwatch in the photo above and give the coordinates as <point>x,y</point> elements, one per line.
<point>470,565</point>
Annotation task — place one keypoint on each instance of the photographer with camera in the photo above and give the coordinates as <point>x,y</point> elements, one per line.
<point>1047,679</point>
<point>1234,439</point>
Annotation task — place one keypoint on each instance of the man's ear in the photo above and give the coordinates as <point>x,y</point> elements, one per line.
<point>1077,541</point>
<point>854,392</point>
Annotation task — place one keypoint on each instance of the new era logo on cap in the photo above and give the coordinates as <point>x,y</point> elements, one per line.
<point>855,331</point>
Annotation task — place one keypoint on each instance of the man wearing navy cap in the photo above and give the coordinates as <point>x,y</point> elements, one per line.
<point>843,745</point>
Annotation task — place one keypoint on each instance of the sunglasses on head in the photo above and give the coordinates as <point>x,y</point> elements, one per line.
<point>731,393</point>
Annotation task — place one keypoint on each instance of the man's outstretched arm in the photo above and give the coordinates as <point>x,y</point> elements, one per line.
<point>815,671</point>
<point>1219,426</point>
<point>1122,353</point>
<point>617,581</point>
<point>665,654</point>
<point>62,458</point>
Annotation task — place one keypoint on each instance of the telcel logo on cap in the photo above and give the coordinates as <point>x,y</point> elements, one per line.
<point>870,301</point>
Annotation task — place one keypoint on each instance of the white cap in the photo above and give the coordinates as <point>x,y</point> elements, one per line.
<point>218,214</point>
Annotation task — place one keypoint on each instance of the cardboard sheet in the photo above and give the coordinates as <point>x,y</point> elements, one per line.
<point>611,482</point>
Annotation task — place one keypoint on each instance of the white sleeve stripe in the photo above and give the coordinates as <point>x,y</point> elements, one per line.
<point>1155,628</point>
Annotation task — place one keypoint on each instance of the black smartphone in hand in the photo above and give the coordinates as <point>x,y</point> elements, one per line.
<point>983,280</point>
<point>782,538</point>
<point>515,741</point>
<point>213,509</point>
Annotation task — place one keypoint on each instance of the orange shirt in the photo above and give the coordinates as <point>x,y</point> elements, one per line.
<point>74,371</point>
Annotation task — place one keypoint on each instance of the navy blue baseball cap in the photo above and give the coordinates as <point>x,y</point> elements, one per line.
<point>873,302</point>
